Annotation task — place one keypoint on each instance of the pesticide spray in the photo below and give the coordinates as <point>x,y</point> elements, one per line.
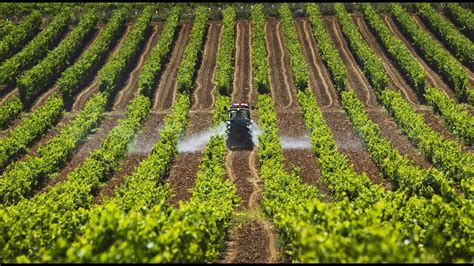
<point>198,141</point>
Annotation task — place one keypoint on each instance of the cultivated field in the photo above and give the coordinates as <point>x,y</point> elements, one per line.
<point>363,152</point>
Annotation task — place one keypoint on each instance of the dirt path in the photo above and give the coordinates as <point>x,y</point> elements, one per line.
<point>242,77</point>
<point>279,76</point>
<point>54,88</point>
<point>139,150</point>
<point>376,112</point>
<point>205,89</point>
<point>165,93</point>
<point>129,90</point>
<point>93,86</point>
<point>355,76</point>
<point>398,83</point>
<point>290,118</point>
<point>320,80</point>
<point>432,77</point>
<point>426,28</point>
<point>183,172</point>
<point>146,138</point>
<point>83,150</point>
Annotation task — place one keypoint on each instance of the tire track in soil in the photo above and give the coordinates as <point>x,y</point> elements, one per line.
<point>125,95</point>
<point>203,97</point>
<point>244,243</point>
<point>55,88</point>
<point>376,113</point>
<point>9,91</point>
<point>278,75</point>
<point>183,172</point>
<point>433,78</point>
<point>324,90</point>
<point>83,150</point>
<point>241,84</point>
<point>398,82</point>
<point>290,122</point>
<point>355,76</point>
<point>427,29</point>
<point>93,86</point>
<point>347,141</point>
<point>165,93</point>
<point>93,140</point>
<point>153,122</point>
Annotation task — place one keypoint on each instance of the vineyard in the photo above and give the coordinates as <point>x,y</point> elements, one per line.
<point>112,147</point>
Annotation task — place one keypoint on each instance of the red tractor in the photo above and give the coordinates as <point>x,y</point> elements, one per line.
<point>238,130</point>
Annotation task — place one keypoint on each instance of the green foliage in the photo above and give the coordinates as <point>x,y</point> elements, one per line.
<point>30,129</point>
<point>152,66</point>
<point>61,211</point>
<point>329,53</point>
<point>435,54</point>
<point>113,71</point>
<point>397,51</point>
<point>259,52</point>
<point>224,61</point>
<point>6,26</point>
<point>372,65</point>
<point>19,35</point>
<point>454,115</point>
<point>9,111</point>
<point>462,47</point>
<point>75,76</point>
<point>35,50</point>
<point>445,155</point>
<point>220,109</point>
<point>462,17</point>
<point>21,177</point>
<point>299,69</point>
<point>194,46</point>
<point>34,81</point>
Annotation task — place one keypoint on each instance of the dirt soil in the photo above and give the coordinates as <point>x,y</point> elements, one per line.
<point>290,120</point>
<point>165,92</point>
<point>320,79</point>
<point>375,112</point>
<point>93,86</point>
<point>397,82</point>
<point>130,87</point>
<point>184,170</point>
<point>83,150</point>
<point>432,77</point>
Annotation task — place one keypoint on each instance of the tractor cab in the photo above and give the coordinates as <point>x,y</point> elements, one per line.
<point>238,129</point>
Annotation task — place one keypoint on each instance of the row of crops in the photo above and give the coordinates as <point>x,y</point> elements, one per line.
<point>426,217</point>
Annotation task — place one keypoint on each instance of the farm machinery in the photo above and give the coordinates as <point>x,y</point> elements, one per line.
<point>238,128</point>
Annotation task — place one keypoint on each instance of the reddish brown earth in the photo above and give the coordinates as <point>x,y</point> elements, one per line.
<point>424,25</point>
<point>129,91</point>
<point>84,149</point>
<point>433,78</point>
<point>123,97</point>
<point>290,118</point>
<point>165,93</point>
<point>376,113</point>
<point>320,79</point>
<point>183,172</point>
<point>54,88</point>
<point>398,83</point>
<point>93,86</point>
<point>253,240</point>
